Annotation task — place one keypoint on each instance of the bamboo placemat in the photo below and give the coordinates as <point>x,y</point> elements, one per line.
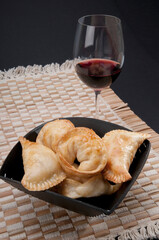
<point>33,95</point>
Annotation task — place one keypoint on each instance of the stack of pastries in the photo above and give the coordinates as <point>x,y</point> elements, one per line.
<point>76,161</point>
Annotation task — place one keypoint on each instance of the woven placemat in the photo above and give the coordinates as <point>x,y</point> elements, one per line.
<point>35,94</point>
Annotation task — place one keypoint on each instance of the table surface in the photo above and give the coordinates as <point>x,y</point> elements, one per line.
<point>34,95</point>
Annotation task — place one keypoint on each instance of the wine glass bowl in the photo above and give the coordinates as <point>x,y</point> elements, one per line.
<point>99,47</point>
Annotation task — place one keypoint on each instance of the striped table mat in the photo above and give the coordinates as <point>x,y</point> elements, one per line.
<point>35,94</point>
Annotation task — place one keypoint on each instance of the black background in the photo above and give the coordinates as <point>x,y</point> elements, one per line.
<point>42,31</point>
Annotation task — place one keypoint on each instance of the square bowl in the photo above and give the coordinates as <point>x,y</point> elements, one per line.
<point>12,172</point>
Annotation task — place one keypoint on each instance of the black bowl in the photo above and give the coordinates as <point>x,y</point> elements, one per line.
<point>12,172</point>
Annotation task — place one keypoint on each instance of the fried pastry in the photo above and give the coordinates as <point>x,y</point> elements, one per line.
<point>82,144</point>
<point>41,166</point>
<point>51,132</point>
<point>92,187</point>
<point>121,147</point>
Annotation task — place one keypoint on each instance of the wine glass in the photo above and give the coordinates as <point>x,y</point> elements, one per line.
<point>99,50</point>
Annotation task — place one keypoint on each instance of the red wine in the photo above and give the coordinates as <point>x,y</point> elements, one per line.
<point>98,73</point>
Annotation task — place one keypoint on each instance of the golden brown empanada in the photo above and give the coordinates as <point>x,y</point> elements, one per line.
<point>51,132</point>
<point>41,166</point>
<point>121,148</point>
<point>92,187</point>
<point>84,145</point>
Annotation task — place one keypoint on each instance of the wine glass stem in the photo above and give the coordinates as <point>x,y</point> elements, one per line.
<point>97,92</point>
